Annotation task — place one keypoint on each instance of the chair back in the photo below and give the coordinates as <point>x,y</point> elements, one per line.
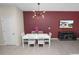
<point>33,32</point>
<point>50,34</point>
<point>40,32</point>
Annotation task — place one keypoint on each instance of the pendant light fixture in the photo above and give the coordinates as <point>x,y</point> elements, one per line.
<point>38,13</point>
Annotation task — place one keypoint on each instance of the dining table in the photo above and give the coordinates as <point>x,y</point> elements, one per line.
<point>36,36</point>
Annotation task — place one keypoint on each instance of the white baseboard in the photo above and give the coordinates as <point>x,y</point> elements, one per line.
<point>77,38</point>
<point>58,39</point>
<point>54,38</point>
<point>2,44</point>
<point>10,44</point>
<point>19,44</point>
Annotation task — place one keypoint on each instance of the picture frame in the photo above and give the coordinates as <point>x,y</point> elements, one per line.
<point>66,23</point>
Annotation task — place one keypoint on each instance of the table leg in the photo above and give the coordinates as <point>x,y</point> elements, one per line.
<point>49,42</point>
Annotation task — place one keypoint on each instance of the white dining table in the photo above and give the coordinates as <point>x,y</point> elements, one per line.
<point>36,37</point>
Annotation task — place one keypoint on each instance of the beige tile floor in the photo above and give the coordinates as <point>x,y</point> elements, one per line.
<point>57,48</point>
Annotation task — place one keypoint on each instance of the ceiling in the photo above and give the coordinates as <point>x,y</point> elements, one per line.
<point>45,6</point>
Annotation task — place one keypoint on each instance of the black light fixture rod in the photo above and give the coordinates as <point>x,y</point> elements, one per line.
<point>38,3</point>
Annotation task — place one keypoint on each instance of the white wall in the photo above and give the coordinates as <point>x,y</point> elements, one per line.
<point>20,24</point>
<point>17,22</point>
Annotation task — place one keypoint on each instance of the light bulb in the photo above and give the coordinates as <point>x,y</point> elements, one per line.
<point>49,28</point>
<point>33,10</point>
<point>43,11</point>
<point>43,16</point>
<point>35,15</point>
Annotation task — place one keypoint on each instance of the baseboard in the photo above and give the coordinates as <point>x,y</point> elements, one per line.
<point>58,39</point>
<point>13,44</point>
<point>10,44</point>
<point>2,44</point>
<point>19,44</point>
<point>77,38</point>
<point>54,38</point>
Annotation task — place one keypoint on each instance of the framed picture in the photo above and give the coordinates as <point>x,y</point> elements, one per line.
<point>66,23</point>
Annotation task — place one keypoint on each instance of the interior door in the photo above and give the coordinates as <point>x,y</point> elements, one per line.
<point>7,29</point>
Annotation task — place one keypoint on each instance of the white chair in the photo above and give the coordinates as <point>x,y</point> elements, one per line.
<point>40,32</point>
<point>33,32</point>
<point>47,40</point>
<point>50,34</point>
<point>31,41</point>
<point>41,41</point>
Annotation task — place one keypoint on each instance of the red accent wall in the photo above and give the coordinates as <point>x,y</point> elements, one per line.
<point>52,19</point>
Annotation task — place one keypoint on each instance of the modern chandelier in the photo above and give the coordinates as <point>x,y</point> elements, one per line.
<point>38,13</point>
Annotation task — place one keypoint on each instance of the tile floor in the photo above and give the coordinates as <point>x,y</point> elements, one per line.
<point>57,48</point>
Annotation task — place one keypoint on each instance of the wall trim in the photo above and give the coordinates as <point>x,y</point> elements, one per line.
<point>10,44</point>
<point>18,44</point>
<point>2,44</point>
<point>77,38</point>
<point>57,38</point>
<point>54,38</point>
